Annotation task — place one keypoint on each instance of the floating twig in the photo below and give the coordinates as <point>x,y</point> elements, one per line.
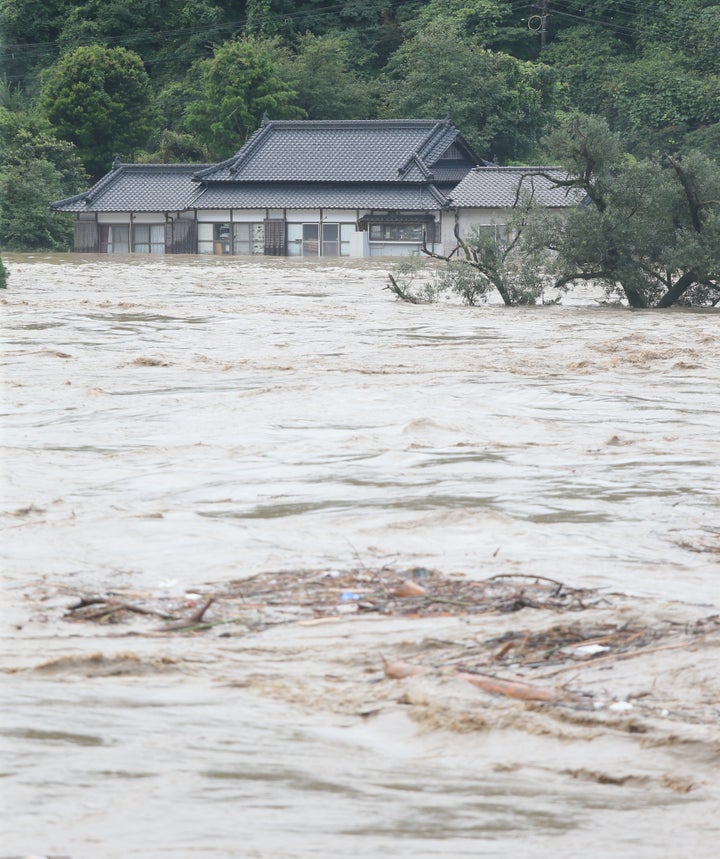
<point>112,605</point>
<point>194,620</point>
<point>617,657</point>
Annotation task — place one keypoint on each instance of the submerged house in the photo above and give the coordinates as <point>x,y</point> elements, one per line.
<point>485,197</point>
<point>358,188</point>
<point>296,188</point>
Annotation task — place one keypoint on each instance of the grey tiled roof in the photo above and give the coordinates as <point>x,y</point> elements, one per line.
<point>496,188</point>
<point>137,188</point>
<point>389,150</point>
<point>316,195</point>
<point>358,164</point>
<point>449,172</point>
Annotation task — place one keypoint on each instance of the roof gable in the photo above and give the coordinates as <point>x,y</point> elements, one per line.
<point>392,150</point>
<point>499,188</point>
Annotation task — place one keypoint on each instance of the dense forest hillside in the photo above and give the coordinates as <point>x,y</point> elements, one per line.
<point>83,81</point>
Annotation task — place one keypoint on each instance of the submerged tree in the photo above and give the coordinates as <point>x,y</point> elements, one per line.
<point>647,230</point>
<point>491,258</point>
<point>651,229</point>
<point>488,260</point>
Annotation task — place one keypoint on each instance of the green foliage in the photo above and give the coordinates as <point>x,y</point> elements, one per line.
<point>193,28</point>
<point>705,139</point>
<point>480,17</point>
<point>178,148</point>
<point>503,260</point>
<point>494,24</point>
<point>590,152</point>
<point>99,99</point>
<point>467,282</point>
<point>499,102</point>
<point>172,100</point>
<point>372,27</point>
<point>100,21</point>
<point>327,86</point>
<point>688,28</point>
<point>12,96</point>
<point>167,34</point>
<point>653,229</point>
<point>264,18</point>
<point>416,282</point>
<point>656,101</point>
<point>35,167</point>
<point>229,93</point>
<point>586,60</point>
<point>651,69</point>
<point>507,260</point>
<point>648,72</point>
<point>3,275</point>
<point>26,224</point>
<point>28,29</point>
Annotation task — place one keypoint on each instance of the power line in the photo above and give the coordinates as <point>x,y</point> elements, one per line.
<point>36,51</point>
<point>609,25</point>
<point>238,24</point>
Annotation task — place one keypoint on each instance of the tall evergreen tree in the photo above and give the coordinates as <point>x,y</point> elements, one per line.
<point>229,93</point>
<point>100,99</point>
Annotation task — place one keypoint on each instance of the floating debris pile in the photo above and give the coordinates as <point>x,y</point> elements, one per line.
<point>266,599</point>
<point>529,638</point>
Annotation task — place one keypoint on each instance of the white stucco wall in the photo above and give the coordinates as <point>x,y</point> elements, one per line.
<point>149,218</point>
<point>468,218</point>
<point>118,218</point>
<point>245,216</point>
<point>359,244</point>
<point>471,217</point>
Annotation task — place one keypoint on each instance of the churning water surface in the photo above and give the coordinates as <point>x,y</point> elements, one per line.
<point>176,421</point>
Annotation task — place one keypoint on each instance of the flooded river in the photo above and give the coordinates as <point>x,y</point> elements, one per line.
<point>169,422</point>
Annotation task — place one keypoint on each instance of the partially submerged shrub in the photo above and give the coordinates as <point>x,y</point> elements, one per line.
<point>466,282</point>
<point>479,266</point>
<point>415,281</point>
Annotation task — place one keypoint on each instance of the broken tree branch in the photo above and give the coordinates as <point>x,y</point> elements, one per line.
<point>194,620</point>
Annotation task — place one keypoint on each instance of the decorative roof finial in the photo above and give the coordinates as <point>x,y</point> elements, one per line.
<point>265,119</point>
<point>117,163</point>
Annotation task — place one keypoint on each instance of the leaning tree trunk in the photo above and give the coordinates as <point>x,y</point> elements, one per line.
<point>634,298</point>
<point>679,288</point>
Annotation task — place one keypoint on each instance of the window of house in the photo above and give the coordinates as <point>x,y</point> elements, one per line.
<point>214,238</point>
<point>114,238</point>
<point>396,232</point>
<point>149,238</point>
<point>248,239</point>
<point>495,232</point>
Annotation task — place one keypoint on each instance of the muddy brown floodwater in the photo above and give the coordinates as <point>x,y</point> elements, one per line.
<point>175,427</point>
